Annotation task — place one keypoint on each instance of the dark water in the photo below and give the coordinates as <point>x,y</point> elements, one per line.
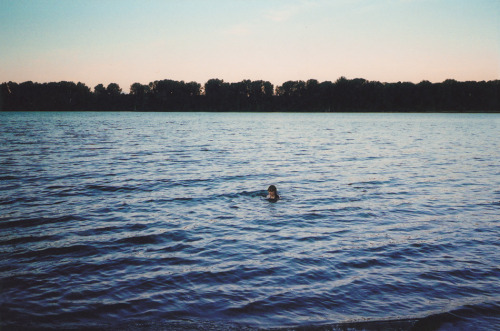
<point>131,220</point>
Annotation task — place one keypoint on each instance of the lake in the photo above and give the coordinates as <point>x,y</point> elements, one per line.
<point>159,220</point>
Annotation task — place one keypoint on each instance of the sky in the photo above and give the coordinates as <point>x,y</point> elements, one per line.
<point>125,41</point>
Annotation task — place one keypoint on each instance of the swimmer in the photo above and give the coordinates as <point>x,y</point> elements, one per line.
<point>273,194</point>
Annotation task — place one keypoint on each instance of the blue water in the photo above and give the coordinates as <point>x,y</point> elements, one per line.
<point>160,220</point>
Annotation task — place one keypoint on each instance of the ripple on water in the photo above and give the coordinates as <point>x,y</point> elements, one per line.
<point>122,220</point>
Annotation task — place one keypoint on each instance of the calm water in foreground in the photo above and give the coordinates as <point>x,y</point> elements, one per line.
<point>160,220</point>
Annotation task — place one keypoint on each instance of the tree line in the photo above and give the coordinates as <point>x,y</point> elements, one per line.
<point>216,95</point>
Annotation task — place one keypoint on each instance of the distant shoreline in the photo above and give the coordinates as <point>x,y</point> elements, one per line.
<point>253,112</point>
<point>343,95</point>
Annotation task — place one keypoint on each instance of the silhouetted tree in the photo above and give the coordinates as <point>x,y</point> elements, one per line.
<point>139,96</point>
<point>342,95</point>
<point>99,90</point>
<point>217,93</point>
<point>48,96</point>
<point>113,89</point>
<point>170,95</point>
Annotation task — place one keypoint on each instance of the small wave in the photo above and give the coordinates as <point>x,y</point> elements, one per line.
<point>363,264</point>
<point>13,200</point>
<point>176,323</point>
<point>56,187</point>
<point>110,188</point>
<point>174,248</point>
<point>427,248</point>
<point>97,231</point>
<point>250,194</point>
<point>369,184</point>
<point>313,216</point>
<point>484,316</point>
<point>8,177</point>
<point>313,239</point>
<point>137,227</point>
<point>379,325</point>
<point>73,251</point>
<point>177,260</point>
<point>32,222</point>
<point>456,275</point>
<point>28,239</point>
<point>141,240</point>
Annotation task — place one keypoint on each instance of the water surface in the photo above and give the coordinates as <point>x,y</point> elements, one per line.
<point>160,219</point>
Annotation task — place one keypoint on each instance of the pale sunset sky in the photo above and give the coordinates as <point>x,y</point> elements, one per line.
<point>125,41</point>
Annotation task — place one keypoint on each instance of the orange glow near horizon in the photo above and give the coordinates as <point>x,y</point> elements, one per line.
<point>126,42</point>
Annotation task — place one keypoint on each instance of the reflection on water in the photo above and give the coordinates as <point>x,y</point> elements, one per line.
<point>161,218</point>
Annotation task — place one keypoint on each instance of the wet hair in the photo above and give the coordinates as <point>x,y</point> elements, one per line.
<point>272,188</point>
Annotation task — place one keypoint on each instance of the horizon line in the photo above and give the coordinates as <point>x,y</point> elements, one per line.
<point>256,80</point>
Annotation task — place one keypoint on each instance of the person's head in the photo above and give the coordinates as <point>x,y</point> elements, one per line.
<point>273,192</point>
